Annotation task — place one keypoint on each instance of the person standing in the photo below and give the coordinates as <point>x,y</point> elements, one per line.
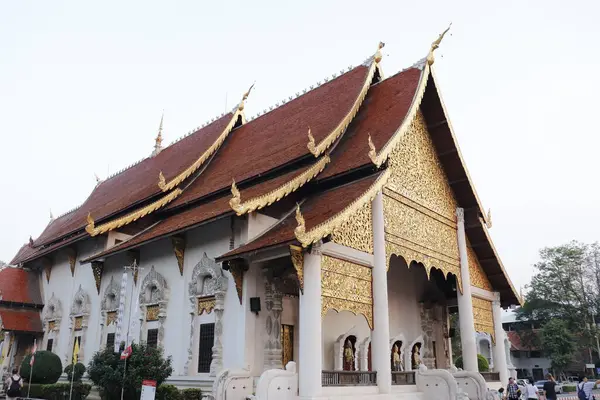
<point>550,388</point>
<point>585,387</point>
<point>14,384</point>
<point>531,391</point>
<point>512,390</point>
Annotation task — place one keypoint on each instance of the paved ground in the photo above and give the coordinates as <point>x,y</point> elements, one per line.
<point>573,396</point>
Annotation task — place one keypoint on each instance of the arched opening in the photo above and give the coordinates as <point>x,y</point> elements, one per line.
<point>396,356</point>
<point>349,357</point>
<point>415,358</point>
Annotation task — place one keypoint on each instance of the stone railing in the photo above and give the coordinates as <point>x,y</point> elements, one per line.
<point>473,384</point>
<point>403,378</point>
<point>491,376</point>
<point>437,384</point>
<point>349,378</point>
<point>278,384</point>
<point>231,384</point>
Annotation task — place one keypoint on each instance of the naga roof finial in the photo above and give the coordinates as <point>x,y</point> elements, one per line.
<point>158,141</point>
<point>435,45</point>
<point>378,56</point>
<point>372,151</point>
<point>90,224</point>
<point>301,228</point>
<point>236,200</point>
<point>489,219</point>
<point>312,146</point>
<point>244,98</point>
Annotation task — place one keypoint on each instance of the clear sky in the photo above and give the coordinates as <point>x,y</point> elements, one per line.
<point>83,85</point>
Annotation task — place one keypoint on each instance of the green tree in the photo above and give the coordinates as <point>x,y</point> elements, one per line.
<point>558,343</point>
<point>106,371</point>
<point>47,367</point>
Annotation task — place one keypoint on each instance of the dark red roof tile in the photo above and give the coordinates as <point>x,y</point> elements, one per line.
<point>19,319</point>
<point>19,286</point>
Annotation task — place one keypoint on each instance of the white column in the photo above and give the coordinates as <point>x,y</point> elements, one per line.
<point>465,302</point>
<point>381,320</point>
<point>499,355</point>
<point>310,359</point>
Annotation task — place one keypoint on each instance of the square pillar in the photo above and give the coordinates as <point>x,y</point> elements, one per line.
<point>310,359</point>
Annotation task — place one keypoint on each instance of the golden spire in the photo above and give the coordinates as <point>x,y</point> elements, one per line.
<point>158,141</point>
<point>378,56</point>
<point>90,224</point>
<point>236,200</point>
<point>301,228</point>
<point>372,151</point>
<point>489,219</point>
<point>435,45</point>
<point>162,183</point>
<point>244,98</point>
<point>312,146</point>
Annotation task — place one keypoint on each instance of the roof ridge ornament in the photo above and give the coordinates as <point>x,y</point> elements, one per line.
<point>312,145</point>
<point>301,227</point>
<point>159,139</point>
<point>372,151</point>
<point>162,183</point>
<point>488,221</point>
<point>236,200</point>
<point>90,224</point>
<point>435,45</point>
<point>242,103</point>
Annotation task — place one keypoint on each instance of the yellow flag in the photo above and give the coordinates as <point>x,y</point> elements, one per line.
<point>75,352</point>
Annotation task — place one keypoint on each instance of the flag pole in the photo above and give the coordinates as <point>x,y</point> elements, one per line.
<point>72,377</point>
<point>134,267</point>
<point>31,362</point>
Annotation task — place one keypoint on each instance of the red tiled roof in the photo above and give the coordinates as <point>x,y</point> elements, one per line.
<point>136,183</point>
<point>515,341</point>
<point>20,319</point>
<point>380,115</point>
<point>279,136</point>
<point>316,209</point>
<point>27,253</point>
<point>19,286</point>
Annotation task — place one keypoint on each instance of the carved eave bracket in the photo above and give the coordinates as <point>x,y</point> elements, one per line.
<point>72,256</point>
<point>179,250</point>
<point>327,227</point>
<point>331,137</point>
<point>237,112</point>
<point>98,269</point>
<point>297,255</point>
<point>259,202</point>
<point>47,266</point>
<point>237,268</point>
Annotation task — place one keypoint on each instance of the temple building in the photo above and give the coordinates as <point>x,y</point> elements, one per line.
<point>317,250</point>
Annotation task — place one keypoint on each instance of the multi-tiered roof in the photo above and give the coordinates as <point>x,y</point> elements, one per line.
<point>309,163</point>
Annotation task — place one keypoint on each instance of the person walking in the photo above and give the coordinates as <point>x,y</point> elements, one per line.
<point>550,388</point>
<point>14,383</point>
<point>512,390</point>
<point>585,387</point>
<point>531,392</point>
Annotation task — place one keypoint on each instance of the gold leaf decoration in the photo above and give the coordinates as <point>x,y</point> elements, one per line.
<point>346,287</point>
<point>483,316</point>
<point>152,312</point>
<point>478,278</point>
<point>162,183</point>
<point>97,269</point>
<point>237,268</point>
<point>357,232</point>
<point>111,317</point>
<point>178,243</point>
<point>206,304</point>
<point>372,151</point>
<point>297,256</point>
<point>78,323</point>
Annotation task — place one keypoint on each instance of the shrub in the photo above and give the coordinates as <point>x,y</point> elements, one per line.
<point>191,394</point>
<point>79,371</point>
<point>47,368</point>
<point>482,363</point>
<point>168,392</point>
<point>57,391</point>
<point>34,392</point>
<point>569,388</point>
<point>106,371</point>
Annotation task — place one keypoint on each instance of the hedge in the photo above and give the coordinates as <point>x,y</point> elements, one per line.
<point>170,392</point>
<point>569,388</point>
<point>47,368</point>
<point>482,363</point>
<point>57,391</point>
<point>191,394</point>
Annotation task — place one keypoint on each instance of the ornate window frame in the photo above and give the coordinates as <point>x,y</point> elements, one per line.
<point>106,307</point>
<point>52,317</point>
<point>161,298</point>
<point>80,308</point>
<point>200,288</point>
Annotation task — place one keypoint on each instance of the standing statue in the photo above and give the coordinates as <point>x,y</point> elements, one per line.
<point>396,360</point>
<point>348,356</point>
<point>416,356</point>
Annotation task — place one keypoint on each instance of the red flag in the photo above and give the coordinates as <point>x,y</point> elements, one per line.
<point>33,353</point>
<point>126,353</point>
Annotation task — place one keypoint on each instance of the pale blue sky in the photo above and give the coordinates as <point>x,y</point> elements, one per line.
<point>82,87</point>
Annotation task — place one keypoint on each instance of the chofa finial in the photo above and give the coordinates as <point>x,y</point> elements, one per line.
<point>435,45</point>
<point>158,141</point>
<point>372,151</point>
<point>236,198</point>
<point>245,97</point>
<point>489,219</point>
<point>90,224</point>
<point>378,56</point>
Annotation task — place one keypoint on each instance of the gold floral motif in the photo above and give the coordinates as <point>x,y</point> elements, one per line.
<point>237,268</point>
<point>340,219</point>
<point>346,286</point>
<point>78,323</point>
<point>152,312</point>
<point>179,250</point>
<point>97,269</point>
<point>483,316</point>
<point>318,149</point>
<point>297,256</point>
<point>418,173</point>
<point>357,232</point>
<point>477,276</point>
<point>111,317</point>
<point>164,186</point>
<point>51,326</point>
<point>131,217</point>
<point>256,203</point>
<point>287,344</point>
<point>206,304</point>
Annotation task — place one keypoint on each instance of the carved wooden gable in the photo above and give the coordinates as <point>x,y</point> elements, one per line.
<point>420,208</point>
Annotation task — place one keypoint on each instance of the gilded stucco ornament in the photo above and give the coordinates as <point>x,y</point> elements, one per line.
<point>340,128</point>
<point>178,243</point>
<point>483,316</point>
<point>346,287</point>
<point>256,203</point>
<point>237,112</point>
<point>357,232</point>
<point>131,217</point>
<point>478,277</point>
<point>98,269</point>
<point>206,305</point>
<point>372,150</point>
<point>330,225</point>
<point>297,255</point>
